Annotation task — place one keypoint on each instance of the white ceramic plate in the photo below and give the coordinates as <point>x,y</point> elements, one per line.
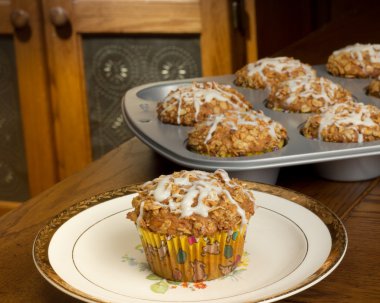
<point>92,252</point>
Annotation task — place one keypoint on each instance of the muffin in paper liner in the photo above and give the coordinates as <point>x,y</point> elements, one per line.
<point>192,224</point>
<point>189,259</point>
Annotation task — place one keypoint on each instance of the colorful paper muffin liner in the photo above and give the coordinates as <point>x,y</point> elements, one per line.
<point>190,259</point>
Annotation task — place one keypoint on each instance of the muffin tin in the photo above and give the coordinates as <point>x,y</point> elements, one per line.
<point>339,161</point>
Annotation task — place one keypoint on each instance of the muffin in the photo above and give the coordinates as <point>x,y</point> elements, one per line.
<point>355,61</point>
<point>192,224</point>
<point>373,88</point>
<point>345,123</point>
<point>307,95</point>
<point>189,104</point>
<point>268,71</point>
<point>237,134</point>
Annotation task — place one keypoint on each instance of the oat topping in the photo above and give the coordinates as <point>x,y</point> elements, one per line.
<point>268,71</point>
<point>357,51</point>
<point>192,103</point>
<point>358,60</point>
<point>279,65</point>
<point>251,118</point>
<point>307,95</point>
<point>237,134</point>
<point>348,122</point>
<point>192,202</point>
<point>373,88</point>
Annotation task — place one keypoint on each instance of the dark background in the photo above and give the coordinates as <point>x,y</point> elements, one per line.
<point>310,30</point>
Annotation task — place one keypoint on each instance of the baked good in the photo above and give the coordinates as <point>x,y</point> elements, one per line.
<point>345,122</point>
<point>189,104</point>
<point>192,224</point>
<point>306,95</point>
<point>355,61</point>
<point>237,134</point>
<point>373,88</point>
<point>268,71</point>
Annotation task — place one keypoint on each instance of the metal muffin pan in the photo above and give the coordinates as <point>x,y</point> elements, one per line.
<point>339,161</point>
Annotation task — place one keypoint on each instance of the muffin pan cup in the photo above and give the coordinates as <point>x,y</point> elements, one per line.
<point>139,110</point>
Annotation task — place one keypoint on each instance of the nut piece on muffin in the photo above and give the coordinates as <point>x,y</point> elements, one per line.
<point>307,95</point>
<point>237,134</point>
<point>345,123</point>
<point>355,61</point>
<point>373,88</point>
<point>189,104</point>
<point>192,224</point>
<point>268,71</point>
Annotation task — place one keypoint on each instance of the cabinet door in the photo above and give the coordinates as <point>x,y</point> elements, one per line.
<point>99,49</point>
<point>27,153</point>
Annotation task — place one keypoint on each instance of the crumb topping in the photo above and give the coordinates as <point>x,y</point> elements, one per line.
<point>236,119</point>
<point>269,71</point>
<point>237,134</point>
<point>307,95</point>
<point>373,88</point>
<point>358,60</point>
<point>193,203</point>
<point>193,99</point>
<point>346,122</point>
<point>358,50</point>
<point>279,65</point>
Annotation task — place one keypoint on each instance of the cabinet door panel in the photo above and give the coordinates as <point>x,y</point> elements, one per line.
<point>13,167</point>
<point>115,64</point>
<point>147,41</point>
<point>27,134</point>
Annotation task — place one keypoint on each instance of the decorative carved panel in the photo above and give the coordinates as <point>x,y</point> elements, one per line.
<point>13,169</point>
<point>115,64</point>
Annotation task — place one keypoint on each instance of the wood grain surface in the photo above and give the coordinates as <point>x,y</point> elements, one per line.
<point>5,11</point>
<point>355,280</point>
<point>35,107</point>
<point>68,92</point>
<point>133,16</point>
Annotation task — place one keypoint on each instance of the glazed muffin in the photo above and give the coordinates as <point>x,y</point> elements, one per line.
<point>355,61</point>
<point>345,123</point>
<point>192,224</point>
<point>236,134</point>
<point>307,95</point>
<point>268,71</point>
<point>189,104</point>
<point>373,88</point>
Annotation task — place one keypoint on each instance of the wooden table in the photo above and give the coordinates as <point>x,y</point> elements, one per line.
<point>357,279</point>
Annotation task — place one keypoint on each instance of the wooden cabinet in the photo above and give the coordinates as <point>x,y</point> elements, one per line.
<point>37,132</point>
<point>76,58</point>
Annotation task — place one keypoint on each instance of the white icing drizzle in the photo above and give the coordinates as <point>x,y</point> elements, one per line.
<point>180,108</point>
<point>357,50</point>
<point>140,213</point>
<point>352,116</point>
<point>234,119</point>
<point>279,65</point>
<point>182,181</point>
<point>217,120</point>
<point>186,205</point>
<point>203,186</point>
<point>163,189</point>
<point>306,87</point>
<point>225,177</point>
<point>198,94</point>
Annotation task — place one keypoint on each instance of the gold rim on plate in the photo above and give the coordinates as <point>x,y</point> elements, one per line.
<point>331,220</point>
